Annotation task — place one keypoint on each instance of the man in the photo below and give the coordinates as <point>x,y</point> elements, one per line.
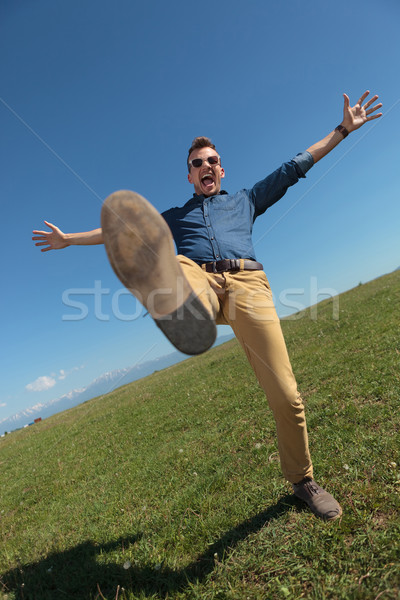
<point>216,279</point>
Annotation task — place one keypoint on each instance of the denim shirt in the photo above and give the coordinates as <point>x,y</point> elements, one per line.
<point>212,228</point>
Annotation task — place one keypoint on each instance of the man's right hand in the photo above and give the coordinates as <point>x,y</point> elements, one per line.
<point>53,240</point>
<point>57,239</point>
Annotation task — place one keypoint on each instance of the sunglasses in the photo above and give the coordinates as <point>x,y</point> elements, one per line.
<point>197,162</point>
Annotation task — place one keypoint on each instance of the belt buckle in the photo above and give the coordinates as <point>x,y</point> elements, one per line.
<point>234,264</point>
<point>215,266</point>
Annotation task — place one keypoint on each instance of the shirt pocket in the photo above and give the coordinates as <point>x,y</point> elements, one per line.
<point>225,202</point>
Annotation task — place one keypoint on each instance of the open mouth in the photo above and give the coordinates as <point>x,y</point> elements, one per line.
<point>207,181</point>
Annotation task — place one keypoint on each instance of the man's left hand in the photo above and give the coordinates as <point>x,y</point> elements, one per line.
<point>357,115</point>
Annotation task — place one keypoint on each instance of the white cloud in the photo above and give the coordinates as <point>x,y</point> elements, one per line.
<point>48,381</point>
<point>40,384</point>
<point>3,404</point>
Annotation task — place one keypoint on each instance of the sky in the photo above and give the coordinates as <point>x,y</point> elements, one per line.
<point>102,95</point>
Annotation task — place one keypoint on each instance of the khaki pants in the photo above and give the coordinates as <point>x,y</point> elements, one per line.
<point>243,300</point>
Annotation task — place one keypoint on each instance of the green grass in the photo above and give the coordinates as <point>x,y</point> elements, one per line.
<point>177,477</point>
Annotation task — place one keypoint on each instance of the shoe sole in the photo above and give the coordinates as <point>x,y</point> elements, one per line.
<point>140,249</point>
<point>324,516</point>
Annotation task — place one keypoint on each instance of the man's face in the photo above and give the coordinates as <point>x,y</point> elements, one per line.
<point>207,178</point>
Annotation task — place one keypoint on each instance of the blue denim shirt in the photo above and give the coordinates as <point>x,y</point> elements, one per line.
<point>219,227</point>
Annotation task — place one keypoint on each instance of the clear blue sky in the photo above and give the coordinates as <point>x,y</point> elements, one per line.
<point>98,95</point>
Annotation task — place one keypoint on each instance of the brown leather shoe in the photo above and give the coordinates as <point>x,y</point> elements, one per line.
<point>320,501</point>
<point>141,251</point>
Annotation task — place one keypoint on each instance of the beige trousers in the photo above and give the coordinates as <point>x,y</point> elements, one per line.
<point>243,300</point>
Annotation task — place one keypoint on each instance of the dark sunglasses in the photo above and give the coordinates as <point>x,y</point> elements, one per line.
<point>197,162</point>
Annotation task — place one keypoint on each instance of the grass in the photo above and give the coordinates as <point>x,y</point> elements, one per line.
<point>170,487</point>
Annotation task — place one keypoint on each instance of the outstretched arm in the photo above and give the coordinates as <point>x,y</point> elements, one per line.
<point>57,239</point>
<point>353,118</point>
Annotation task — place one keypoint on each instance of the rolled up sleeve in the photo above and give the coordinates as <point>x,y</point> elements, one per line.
<point>304,161</point>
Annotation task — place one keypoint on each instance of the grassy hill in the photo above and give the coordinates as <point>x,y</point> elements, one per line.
<point>170,487</point>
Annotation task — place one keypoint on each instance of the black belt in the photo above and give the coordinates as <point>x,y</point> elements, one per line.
<point>232,264</point>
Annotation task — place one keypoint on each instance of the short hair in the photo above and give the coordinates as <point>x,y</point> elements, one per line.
<point>199,142</point>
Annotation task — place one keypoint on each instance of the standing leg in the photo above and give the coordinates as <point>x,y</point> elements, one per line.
<point>250,311</point>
